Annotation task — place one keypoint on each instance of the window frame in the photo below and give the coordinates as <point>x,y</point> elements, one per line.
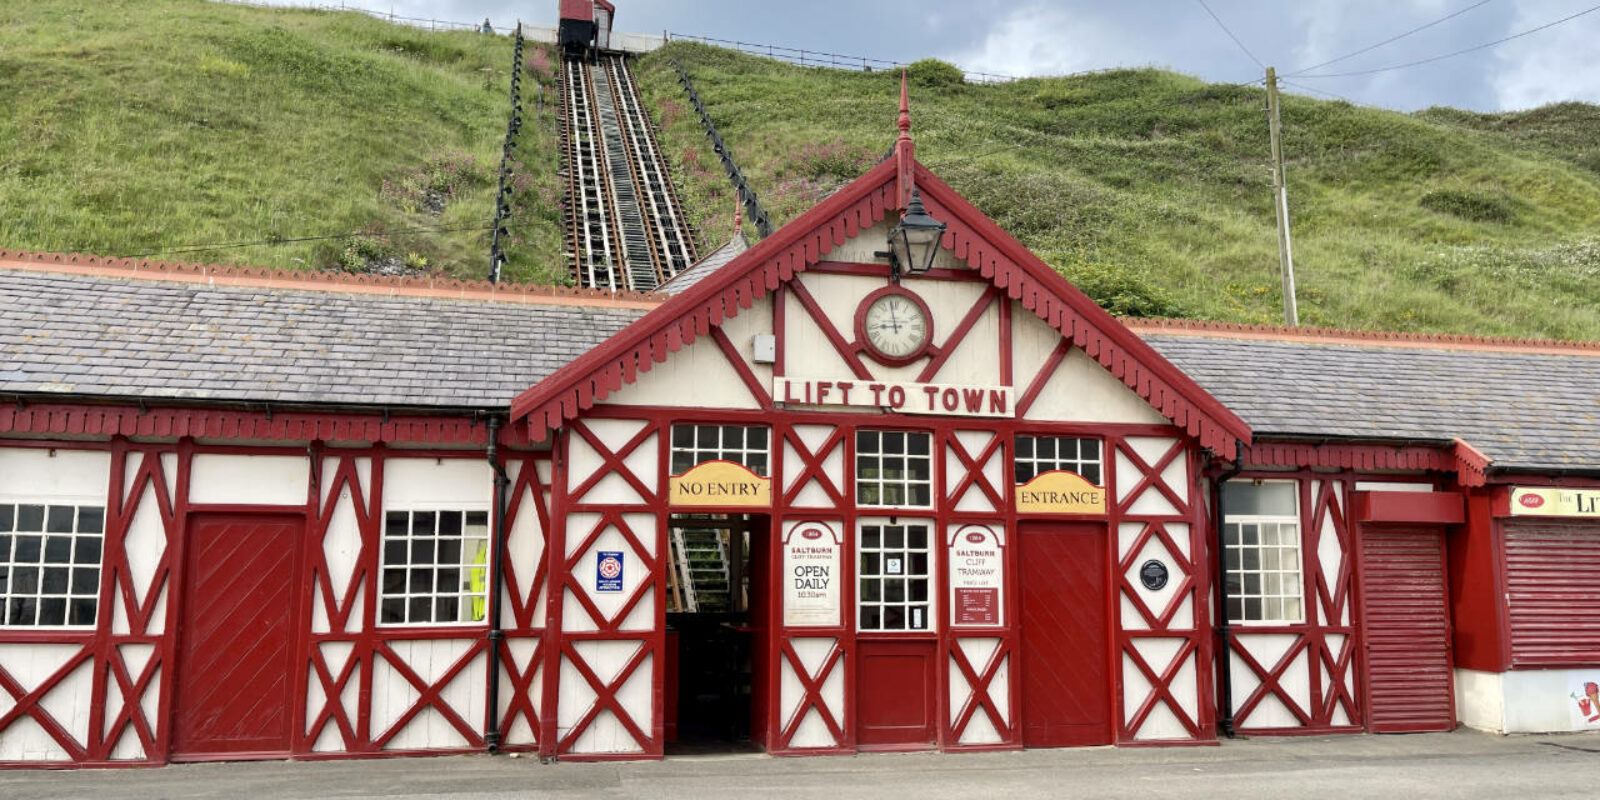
<point>411,509</point>
<point>720,451</point>
<point>929,575</point>
<point>1056,462</point>
<point>906,482</point>
<point>1232,521</point>
<point>8,564</point>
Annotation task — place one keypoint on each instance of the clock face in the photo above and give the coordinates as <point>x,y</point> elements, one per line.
<point>895,326</point>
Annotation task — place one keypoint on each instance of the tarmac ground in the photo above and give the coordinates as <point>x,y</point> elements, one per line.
<point>1462,764</point>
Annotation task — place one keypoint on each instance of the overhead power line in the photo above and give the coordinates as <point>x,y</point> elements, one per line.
<point>1473,49</point>
<point>1235,39</point>
<point>1391,39</point>
<point>346,235</point>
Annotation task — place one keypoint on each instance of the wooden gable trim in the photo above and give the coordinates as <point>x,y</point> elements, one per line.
<point>803,243</point>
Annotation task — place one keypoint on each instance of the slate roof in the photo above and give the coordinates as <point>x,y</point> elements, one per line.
<point>94,336</point>
<point>705,266</point>
<point>1522,410</point>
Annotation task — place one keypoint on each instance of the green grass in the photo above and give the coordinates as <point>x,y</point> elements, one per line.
<point>1151,191</point>
<point>140,126</point>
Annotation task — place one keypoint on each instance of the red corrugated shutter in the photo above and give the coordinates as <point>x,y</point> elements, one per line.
<point>1553,593</point>
<point>1407,617</point>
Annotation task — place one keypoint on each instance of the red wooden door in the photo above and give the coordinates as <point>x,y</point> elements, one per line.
<point>895,708</point>
<point>1066,685</point>
<point>236,637</point>
<point>1407,616</point>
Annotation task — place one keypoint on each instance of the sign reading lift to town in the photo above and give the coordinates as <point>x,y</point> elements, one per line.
<point>718,484</point>
<point>906,398</point>
<point>811,567</point>
<point>1526,502</point>
<point>1060,492</point>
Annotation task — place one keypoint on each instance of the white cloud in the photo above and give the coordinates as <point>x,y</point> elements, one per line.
<point>1040,40</point>
<point>1549,66</point>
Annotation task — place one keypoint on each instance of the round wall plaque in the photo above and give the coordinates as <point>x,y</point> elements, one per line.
<point>1153,574</point>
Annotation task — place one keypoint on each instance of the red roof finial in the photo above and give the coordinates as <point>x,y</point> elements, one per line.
<point>738,217</point>
<point>904,150</point>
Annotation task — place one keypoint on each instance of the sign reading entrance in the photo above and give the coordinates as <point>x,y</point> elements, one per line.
<point>977,573</point>
<point>608,571</point>
<point>1060,492</point>
<point>811,573</point>
<point>719,484</point>
<point>1526,502</point>
<point>908,398</point>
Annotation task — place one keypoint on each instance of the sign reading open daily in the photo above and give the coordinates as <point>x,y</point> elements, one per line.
<point>1527,502</point>
<point>811,566</point>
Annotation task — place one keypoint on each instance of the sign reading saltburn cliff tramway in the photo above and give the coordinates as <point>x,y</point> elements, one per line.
<point>811,568</point>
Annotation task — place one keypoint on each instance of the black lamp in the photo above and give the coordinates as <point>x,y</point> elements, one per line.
<point>914,243</point>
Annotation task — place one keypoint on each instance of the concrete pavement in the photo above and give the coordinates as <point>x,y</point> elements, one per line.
<point>1463,764</point>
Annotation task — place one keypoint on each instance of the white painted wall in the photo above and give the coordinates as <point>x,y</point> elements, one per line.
<point>60,476</point>
<point>249,480</point>
<point>425,483</point>
<point>700,375</point>
<point>1480,700</point>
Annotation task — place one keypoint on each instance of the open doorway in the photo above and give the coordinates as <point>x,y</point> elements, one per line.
<point>712,629</point>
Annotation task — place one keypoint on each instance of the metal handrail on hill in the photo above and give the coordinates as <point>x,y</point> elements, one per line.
<point>415,22</point>
<point>747,195</point>
<point>814,58</point>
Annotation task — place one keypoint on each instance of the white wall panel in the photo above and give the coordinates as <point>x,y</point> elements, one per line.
<point>423,483</point>
<point>64,476</point>
<point>250,480</point>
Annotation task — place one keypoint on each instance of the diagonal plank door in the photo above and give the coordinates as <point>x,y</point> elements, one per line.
<point>1066,688</point>
<point>236,637</point>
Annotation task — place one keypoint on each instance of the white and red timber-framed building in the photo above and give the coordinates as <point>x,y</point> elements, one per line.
<point>247,514</point>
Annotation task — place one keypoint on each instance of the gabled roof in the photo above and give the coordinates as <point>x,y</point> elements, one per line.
<point>804,242</point>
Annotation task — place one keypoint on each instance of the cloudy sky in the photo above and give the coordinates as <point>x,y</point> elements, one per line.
<point>1052,37</point>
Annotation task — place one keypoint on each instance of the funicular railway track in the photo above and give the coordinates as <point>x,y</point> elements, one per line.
<point>625,228</point>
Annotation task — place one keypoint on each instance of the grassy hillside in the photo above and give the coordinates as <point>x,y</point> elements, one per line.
<point>139,126</point>
<point>1150,190</point>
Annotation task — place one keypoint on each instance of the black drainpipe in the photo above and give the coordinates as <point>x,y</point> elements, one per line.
<point>1225,661</point>
<point>491,733</point>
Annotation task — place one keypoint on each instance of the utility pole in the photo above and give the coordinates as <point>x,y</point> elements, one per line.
<point>1280,203</point>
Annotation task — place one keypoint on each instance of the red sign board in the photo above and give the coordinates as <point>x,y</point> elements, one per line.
<point>977,606</point>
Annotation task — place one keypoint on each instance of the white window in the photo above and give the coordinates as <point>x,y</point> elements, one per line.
<point>697,444</point>
<point>1036,454</point>
<point>50,564</point>
<point>1261,551</point>
<point>435,567</point>
<point>894,468</point>
<point>893,574</point>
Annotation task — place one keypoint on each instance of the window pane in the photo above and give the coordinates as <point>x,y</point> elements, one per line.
<point>60,519</point>
<point>8,514</point>
<point>423,523</point>
<point>81,612</point>
<point>30,518</point>
<point>450,523</point>
<point>1270,498</point>
<point>91,519</point>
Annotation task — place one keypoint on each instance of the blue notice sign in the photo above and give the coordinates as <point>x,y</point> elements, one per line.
<point>608,571</point>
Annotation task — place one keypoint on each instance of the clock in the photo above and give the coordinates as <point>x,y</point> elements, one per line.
<point>893,325</point>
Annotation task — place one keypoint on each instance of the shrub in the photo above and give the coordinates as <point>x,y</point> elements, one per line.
<point>1123,290</point>
<point>829,160</point>
<point>933,73</point>
<point>1471,206</point>
<point>434,183</point>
